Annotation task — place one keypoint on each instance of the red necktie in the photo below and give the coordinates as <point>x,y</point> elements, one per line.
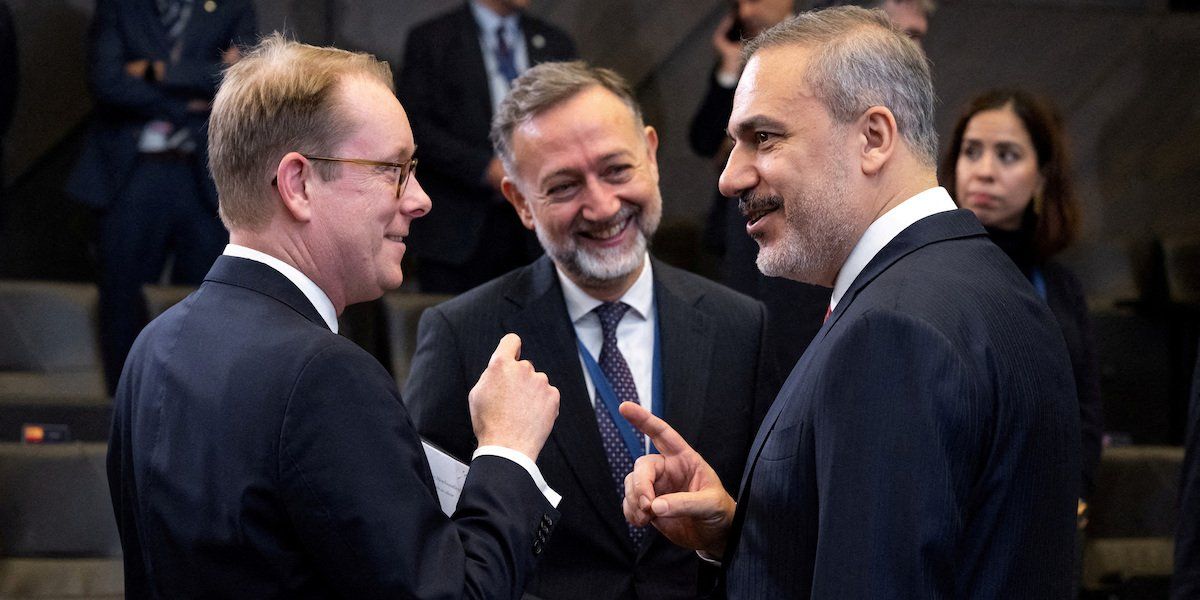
<point>828,311</point>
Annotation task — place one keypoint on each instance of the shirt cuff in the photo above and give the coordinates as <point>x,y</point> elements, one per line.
<point>708,558</point>
<point>530,467</point>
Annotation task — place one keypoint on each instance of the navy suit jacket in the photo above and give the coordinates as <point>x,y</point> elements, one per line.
<point>927,443</point>
<point>127,30</point>
<point>256,454</point>
<point>444,88</point>
<point>717,380</point>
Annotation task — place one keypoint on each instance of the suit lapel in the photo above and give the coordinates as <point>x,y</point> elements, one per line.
<point>549,343</point>
<point>535,42</point>
<point>153,26</point>
<point>687,346</point>
<point>474,69</point>
<point>256,276</point>
<point>938,227</point>
<point>934,228</point>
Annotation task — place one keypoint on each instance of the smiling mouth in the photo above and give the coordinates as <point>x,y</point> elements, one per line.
<point>609,232</point>
<point>754,208</point>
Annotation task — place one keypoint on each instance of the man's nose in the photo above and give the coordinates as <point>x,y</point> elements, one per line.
<point>601,201</point>
<point>738,176</point>
<point>415,202</point>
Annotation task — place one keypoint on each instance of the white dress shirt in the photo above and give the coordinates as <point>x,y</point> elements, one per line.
<point>883,230</point>
<point>635,332</point>
<point>314,294</point>
<point>321,302</point>
<point>488,21</point>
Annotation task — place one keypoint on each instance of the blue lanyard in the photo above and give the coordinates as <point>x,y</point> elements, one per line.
<point>1039,281</point>
<point>604,389</point>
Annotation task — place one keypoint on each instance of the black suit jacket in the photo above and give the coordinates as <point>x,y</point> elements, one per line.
<point>1185,585</point>
<point>256,454</point>
<point>1065,296</point>
<point>927,443</point>
<point>128,30</point>
<point>717,383</point>
<point>444,87</point>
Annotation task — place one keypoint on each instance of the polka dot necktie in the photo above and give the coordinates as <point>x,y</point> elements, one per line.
<point>613,364</point>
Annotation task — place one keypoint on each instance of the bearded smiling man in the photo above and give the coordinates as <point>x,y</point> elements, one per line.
<point>606,323</point>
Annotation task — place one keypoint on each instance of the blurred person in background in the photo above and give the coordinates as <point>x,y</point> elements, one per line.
<point>1008,163</point>
<point>153,68</point>
<point>458,66</point>
<point>794,309</point>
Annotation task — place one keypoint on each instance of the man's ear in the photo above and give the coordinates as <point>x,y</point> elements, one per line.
<point>291,185</point>
<point>513,194</point>
<point>879,137</point>
<point>652,149</point>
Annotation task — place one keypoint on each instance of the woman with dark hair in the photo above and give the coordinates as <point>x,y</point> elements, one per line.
<point>1007,163</point>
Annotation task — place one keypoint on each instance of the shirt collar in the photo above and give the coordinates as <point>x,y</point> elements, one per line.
<point>311,291</point>
<point>884,229</point>
<point>488,21</point>
<point>639,296</point>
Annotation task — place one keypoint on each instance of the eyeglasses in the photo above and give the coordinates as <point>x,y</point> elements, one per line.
<point>407,168</point>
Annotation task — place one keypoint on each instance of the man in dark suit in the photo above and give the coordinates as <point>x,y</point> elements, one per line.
<point>257,454</point>
<point>457,68</point>
<point>606,322</point>
<point>1186,582</point>
<point>153,68</point>
<point>927,443</point>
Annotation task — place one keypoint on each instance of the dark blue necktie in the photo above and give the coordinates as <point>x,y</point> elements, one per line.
<point>613,364</point>
<point>504,56</point>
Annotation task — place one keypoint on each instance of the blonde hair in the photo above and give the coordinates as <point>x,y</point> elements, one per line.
<point>280,97</point>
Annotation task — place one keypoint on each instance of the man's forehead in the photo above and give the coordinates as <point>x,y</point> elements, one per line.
<point>590,114</point>
<point>376,115</point>
<point>773,81</point>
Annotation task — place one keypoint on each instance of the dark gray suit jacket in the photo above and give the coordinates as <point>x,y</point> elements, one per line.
<point>927,443</point>
<point>717,382</point>
<point>444,88</point>
<point>256,454</point>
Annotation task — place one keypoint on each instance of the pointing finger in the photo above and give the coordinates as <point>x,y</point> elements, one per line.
<point>667,440</point>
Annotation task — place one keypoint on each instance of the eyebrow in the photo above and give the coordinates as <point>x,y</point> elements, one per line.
<point>754,123</point>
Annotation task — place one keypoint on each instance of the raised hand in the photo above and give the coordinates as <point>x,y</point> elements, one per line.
<point>676,490</point>
<point>513,405</point>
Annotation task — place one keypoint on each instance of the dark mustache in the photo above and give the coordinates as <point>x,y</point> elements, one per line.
<point>752,203</point>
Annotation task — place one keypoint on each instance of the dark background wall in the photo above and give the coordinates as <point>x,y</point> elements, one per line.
<point>1126,74</point>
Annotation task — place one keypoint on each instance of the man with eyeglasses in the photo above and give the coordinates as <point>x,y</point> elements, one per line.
<point>257,454</point>
<point>607,322</point>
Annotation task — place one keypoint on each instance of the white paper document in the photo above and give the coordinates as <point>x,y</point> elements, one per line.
<point>449,475</point>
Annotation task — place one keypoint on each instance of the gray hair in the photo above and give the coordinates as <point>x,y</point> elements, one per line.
<point>860,60</point>
<point>926,6</point>
<point>546,86</point>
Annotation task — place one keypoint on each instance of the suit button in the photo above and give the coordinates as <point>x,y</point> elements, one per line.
<point>537,547</point>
